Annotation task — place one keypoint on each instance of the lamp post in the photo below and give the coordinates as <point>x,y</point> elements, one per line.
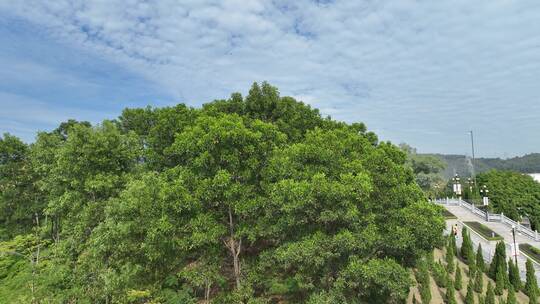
<point>485,200</point>
<point>457,186</point>
<point>470,181</point>
<point>515,248</point>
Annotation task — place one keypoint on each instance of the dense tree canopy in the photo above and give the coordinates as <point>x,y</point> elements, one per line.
<point>246,200</point>
<point>514,194</point>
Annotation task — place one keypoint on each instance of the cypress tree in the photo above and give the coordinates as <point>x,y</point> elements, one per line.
<point>453,244</point>
<point>424,280</point>
<point>490,295</point>
<point>466,245</point>
<point>531,285</point>
<point>499,282</point>
<point>450,259</point>
<point>469,298</point>
<point>480,266</point>
<point>450,293</point>
<point>499,260</point>
<point>472,264</point>
<point>481,300</point>
<point>513,274</point>
<point>511,297</point>
<point>478,282</point>
<point>533,299</point>
<point>458,284</point>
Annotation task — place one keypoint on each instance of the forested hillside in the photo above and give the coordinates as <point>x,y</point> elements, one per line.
<point>245,200</point>
<point>461,164</point>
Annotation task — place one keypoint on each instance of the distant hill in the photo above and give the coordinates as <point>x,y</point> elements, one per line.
<point>529,163</point>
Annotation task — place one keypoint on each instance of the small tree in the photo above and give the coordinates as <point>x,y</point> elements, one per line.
<point>472,264</point>
<point>531,284</point>
<point>513,275</point>
<point>450,293</point>
<point>466,245</point>
<point>511,297</point>
<point>478,282</point>
<point>469,298</point>
<point>499,260</point>
<point>499,282</point>
<point>490,295</point>
<point>450,259</point>
<point>423,278</point>
<point>481,299</point>
<point>458,280</point>
<point>480,265</point>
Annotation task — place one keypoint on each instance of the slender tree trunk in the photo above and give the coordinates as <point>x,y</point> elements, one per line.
<point>235,247</point>
<point>207,292</point>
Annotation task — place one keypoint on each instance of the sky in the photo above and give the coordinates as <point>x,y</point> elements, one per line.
<point>420,72</point>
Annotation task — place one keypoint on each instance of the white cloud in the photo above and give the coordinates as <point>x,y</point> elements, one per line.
<point>440,65</point>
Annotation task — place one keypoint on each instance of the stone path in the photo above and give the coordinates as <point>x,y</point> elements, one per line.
<point>463,215</point>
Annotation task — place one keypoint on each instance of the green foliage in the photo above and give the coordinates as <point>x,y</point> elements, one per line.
<point>531,284</point>
<point>513,275</point>
<point>427,169</point>
<point>499,261</point>
<point>511,297</point>
<point>466,245</point>
<point>440,275</point>
<point>500,281</point>
<point>450,264</point>
<point>481,299</point>
<point>513,194</point>
<point>458,279</point>
<point>490,294</point>
<point>247,200</point>
<point>480,264</point>
<point>450,296</point>
<point>479,282</point>
<point>423,279</point>
<point>469,297</point>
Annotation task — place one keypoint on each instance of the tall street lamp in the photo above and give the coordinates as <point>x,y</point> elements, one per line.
<point>515,248</point>
<point>485,200</point>
<point>457,186</point>
<point>470,181</point>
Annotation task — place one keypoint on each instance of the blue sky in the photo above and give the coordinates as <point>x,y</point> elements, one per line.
<point>421,72</point>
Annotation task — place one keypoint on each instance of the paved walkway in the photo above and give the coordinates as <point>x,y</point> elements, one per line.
<point>488,247</point>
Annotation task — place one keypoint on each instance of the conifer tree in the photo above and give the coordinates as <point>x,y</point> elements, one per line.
<point>500,282</point>
<point>511,297</point>
<point>499,260</point>
<point>466,245</point>
<point>472,263</point>
<point>513,275</point>
<point>469,298</point>
<point>453,244</point>
<point>490,295</point>
<point>458,279</point>
<point>449,259</point>
<point>481,299</point>
<point>424,280</point>
<point>478,282</point>
<point>531,284</point>
<point>450,293</point>
<point>480,265</point>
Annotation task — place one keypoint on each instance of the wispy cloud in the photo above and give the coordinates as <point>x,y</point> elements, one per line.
<point>437,67</point>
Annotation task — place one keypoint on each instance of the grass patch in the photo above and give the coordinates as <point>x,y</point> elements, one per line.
<point>448,215</point>
<point>531,251</point>
<point>484,231</point>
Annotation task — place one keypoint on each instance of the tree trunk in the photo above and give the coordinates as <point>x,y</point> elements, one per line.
<point>235,247</point>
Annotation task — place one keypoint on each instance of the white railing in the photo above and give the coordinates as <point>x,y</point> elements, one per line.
<point>491,217</point>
